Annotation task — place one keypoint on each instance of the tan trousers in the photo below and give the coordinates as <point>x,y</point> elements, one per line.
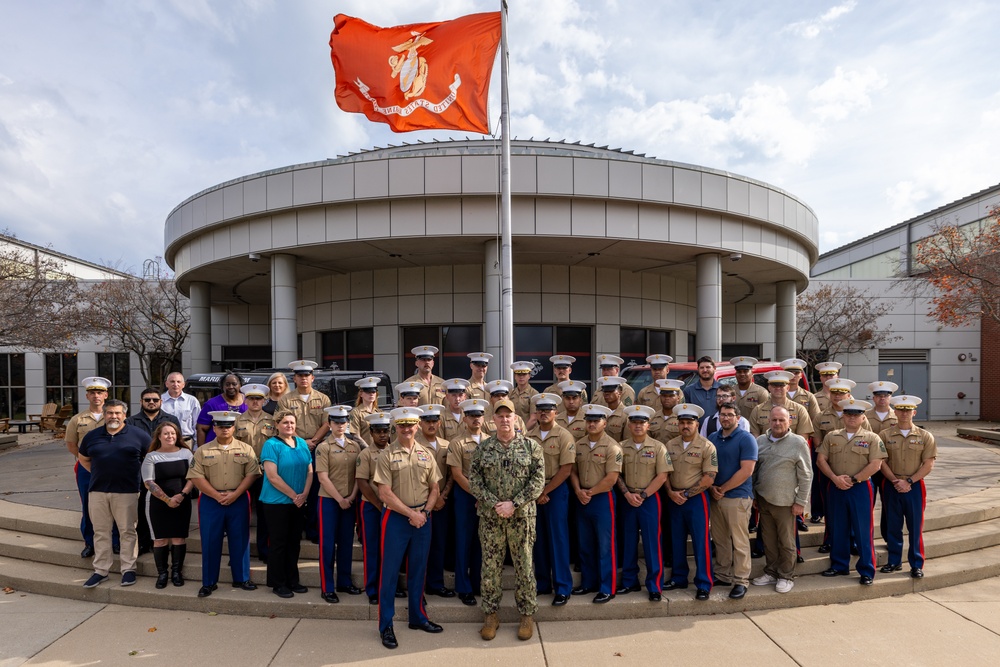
<point>730,521</point>
<point>107,509</point>
<point>777,530</point>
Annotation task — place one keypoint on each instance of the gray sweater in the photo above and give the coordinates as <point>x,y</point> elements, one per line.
<point>784,472</point>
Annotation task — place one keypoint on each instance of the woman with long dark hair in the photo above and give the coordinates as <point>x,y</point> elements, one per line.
<point>168,505</point>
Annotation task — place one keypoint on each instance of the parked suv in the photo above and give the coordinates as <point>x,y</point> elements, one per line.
<point>337,384</point>
<point>640,376</point>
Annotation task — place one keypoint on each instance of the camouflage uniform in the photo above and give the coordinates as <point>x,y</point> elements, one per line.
<point>515,472</point>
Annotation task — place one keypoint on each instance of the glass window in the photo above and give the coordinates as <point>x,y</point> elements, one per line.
<point>61,378</point>
<point>12,393</point>
<point>637,344</point>
<point>730,350</point>
<point>454,343</point>
<point>350,349</point>
<point>115,367</point>
<point>536,343</point>
<point>246,357</point>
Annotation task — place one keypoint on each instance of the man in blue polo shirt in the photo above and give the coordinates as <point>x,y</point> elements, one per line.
<point>732,496</point>
<point>702,392</point>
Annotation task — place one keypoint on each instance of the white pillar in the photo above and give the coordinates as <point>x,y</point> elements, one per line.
<point>201,327</point>
<point>709,297</point>
<point>784,320</point>
<point>284,307</point>
<point>494,318</point>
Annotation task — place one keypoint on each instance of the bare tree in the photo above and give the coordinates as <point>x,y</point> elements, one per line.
<point>38,299</point>
<point>146,315</point>
<point>837,320</point>
<point>962,265</point>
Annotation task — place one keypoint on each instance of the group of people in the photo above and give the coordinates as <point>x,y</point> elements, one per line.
<point>470,469</point>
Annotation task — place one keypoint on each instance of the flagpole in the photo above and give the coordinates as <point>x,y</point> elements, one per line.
<point>506,261</point>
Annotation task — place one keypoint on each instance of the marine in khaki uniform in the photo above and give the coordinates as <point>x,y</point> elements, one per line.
<point>479,363</point>
<point>552,569</point>
<point>370,511</point>
<point>451,415</point>
<point>254,427</point>
<point>365,404</point>
<point>223,470</point>
<point>848,458</point>
<point>911,454</point>
<point>663,425</point>
<point>594,475</point>
<point>507,476</point>
<point>569,416</point>
<point>522,392</point>
<point>408,394</point>
<point>336,465</point>
<point>432,386</point>
<point>78,426</point>
<point>611,391</point>
<point>436,446</point>
<point>610,366</point>
<point>827,421</point>
<point>407,479</point>
<point>777,386</point>
<point>749,394</point>
<point>881,416</point>
<point>562,368</point>
<point>658,368</point>
<point>831,419</point>
<point>645,465</point>
<point>828,370</point>
<point>499,390</point>
<point>695,465</point>
<point>468,555</point>
<point>796,391</point>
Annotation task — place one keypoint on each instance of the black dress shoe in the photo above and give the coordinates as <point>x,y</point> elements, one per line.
<point>886,569</point>
<point>205,591</point>
<point>865,581</point>
<point>582,590</point>
<point>245,585</point>
<point>721,582</point>
<point>441,592</point>
<point>116,549</point>
<point>468,599</point>
<point>283,592</point>
<point>835,573</point>
<point>427,626</point>
<point>854,551</point>
<point>673,585</point>
<point>299,588</point>
<point>739,590</point>
<point>401,593</point>
<point>389,638</point>
<point>350,590</point>
<point>88,552</point>
<point>916,573</point>
<point>372,599</point>
<point>655,597</point>
<point>330,597</point>
<point>625,590</point>
<point>601,598</point>
<point>560,600</point>
<point>816,519</point>
<point>702,595</point>
<point>800,559</point>
<point>801,525</point>
<point>825,549</point>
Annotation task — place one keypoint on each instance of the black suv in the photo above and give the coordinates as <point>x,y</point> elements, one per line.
<point>337,384</point>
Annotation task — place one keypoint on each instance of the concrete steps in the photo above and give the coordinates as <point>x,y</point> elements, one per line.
<point>39,553</point>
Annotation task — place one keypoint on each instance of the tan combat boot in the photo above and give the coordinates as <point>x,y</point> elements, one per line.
<point>527,628</point>
<point>490,626</point>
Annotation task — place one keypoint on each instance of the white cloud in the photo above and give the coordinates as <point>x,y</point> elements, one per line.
<point>845,92</point>
<point>812,28</point>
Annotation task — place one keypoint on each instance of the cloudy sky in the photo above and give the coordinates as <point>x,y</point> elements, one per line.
<point>112,112</point>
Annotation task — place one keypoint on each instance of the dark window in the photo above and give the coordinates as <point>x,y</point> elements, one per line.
<point>351,349</point>
<point>637,344</point>
<point>12,397</point>
<point>246,357</point>
<point>454,343</point>
<point>730,350</point>
<point>692,347</point>
<point>115,367</point>
<point>536,343</point>
<point>61,378</point>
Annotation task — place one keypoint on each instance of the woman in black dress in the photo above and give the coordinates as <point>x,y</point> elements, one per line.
<point>168,505</point>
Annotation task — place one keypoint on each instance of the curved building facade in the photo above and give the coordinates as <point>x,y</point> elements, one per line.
<point>357,259</point>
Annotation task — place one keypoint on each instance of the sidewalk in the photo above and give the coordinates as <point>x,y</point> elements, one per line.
<point>958,626</point>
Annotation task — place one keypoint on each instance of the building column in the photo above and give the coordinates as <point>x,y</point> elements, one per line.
<point>201,327</point>
<point>709,314</point>
<point>284,310</point>
<point>493,310</point>
<point>784,320</point>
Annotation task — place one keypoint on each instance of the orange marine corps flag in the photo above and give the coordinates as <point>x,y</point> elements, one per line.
<point>424,76</point>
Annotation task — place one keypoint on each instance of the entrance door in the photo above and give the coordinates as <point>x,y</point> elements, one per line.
<point>912,378</point>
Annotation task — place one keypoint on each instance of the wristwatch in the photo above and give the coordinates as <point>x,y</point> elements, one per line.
<point>515,504</point>
<point>643,495</point>
<point>909,480</point>
<point>854,480</point>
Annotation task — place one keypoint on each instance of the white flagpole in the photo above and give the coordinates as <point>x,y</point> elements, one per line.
<point>506,262</point>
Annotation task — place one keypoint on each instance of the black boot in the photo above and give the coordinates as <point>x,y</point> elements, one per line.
<point>160,556</point>
<point>177,552</point>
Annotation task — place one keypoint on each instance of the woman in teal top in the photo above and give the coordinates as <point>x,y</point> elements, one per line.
<point>288,472</point>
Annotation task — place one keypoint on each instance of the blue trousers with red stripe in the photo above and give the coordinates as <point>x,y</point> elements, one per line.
<point>439,540</point>
<point>691,518</point>
<point>468,550</point>
<point>231,521</point>
<point>336,543</point>
<point>642,520</point>
<point>401,540</point>
<point>595,523</point>
<point>369,533</point>
<point>909,507</point>
<point>850,512</point>
<point>552,570</point>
